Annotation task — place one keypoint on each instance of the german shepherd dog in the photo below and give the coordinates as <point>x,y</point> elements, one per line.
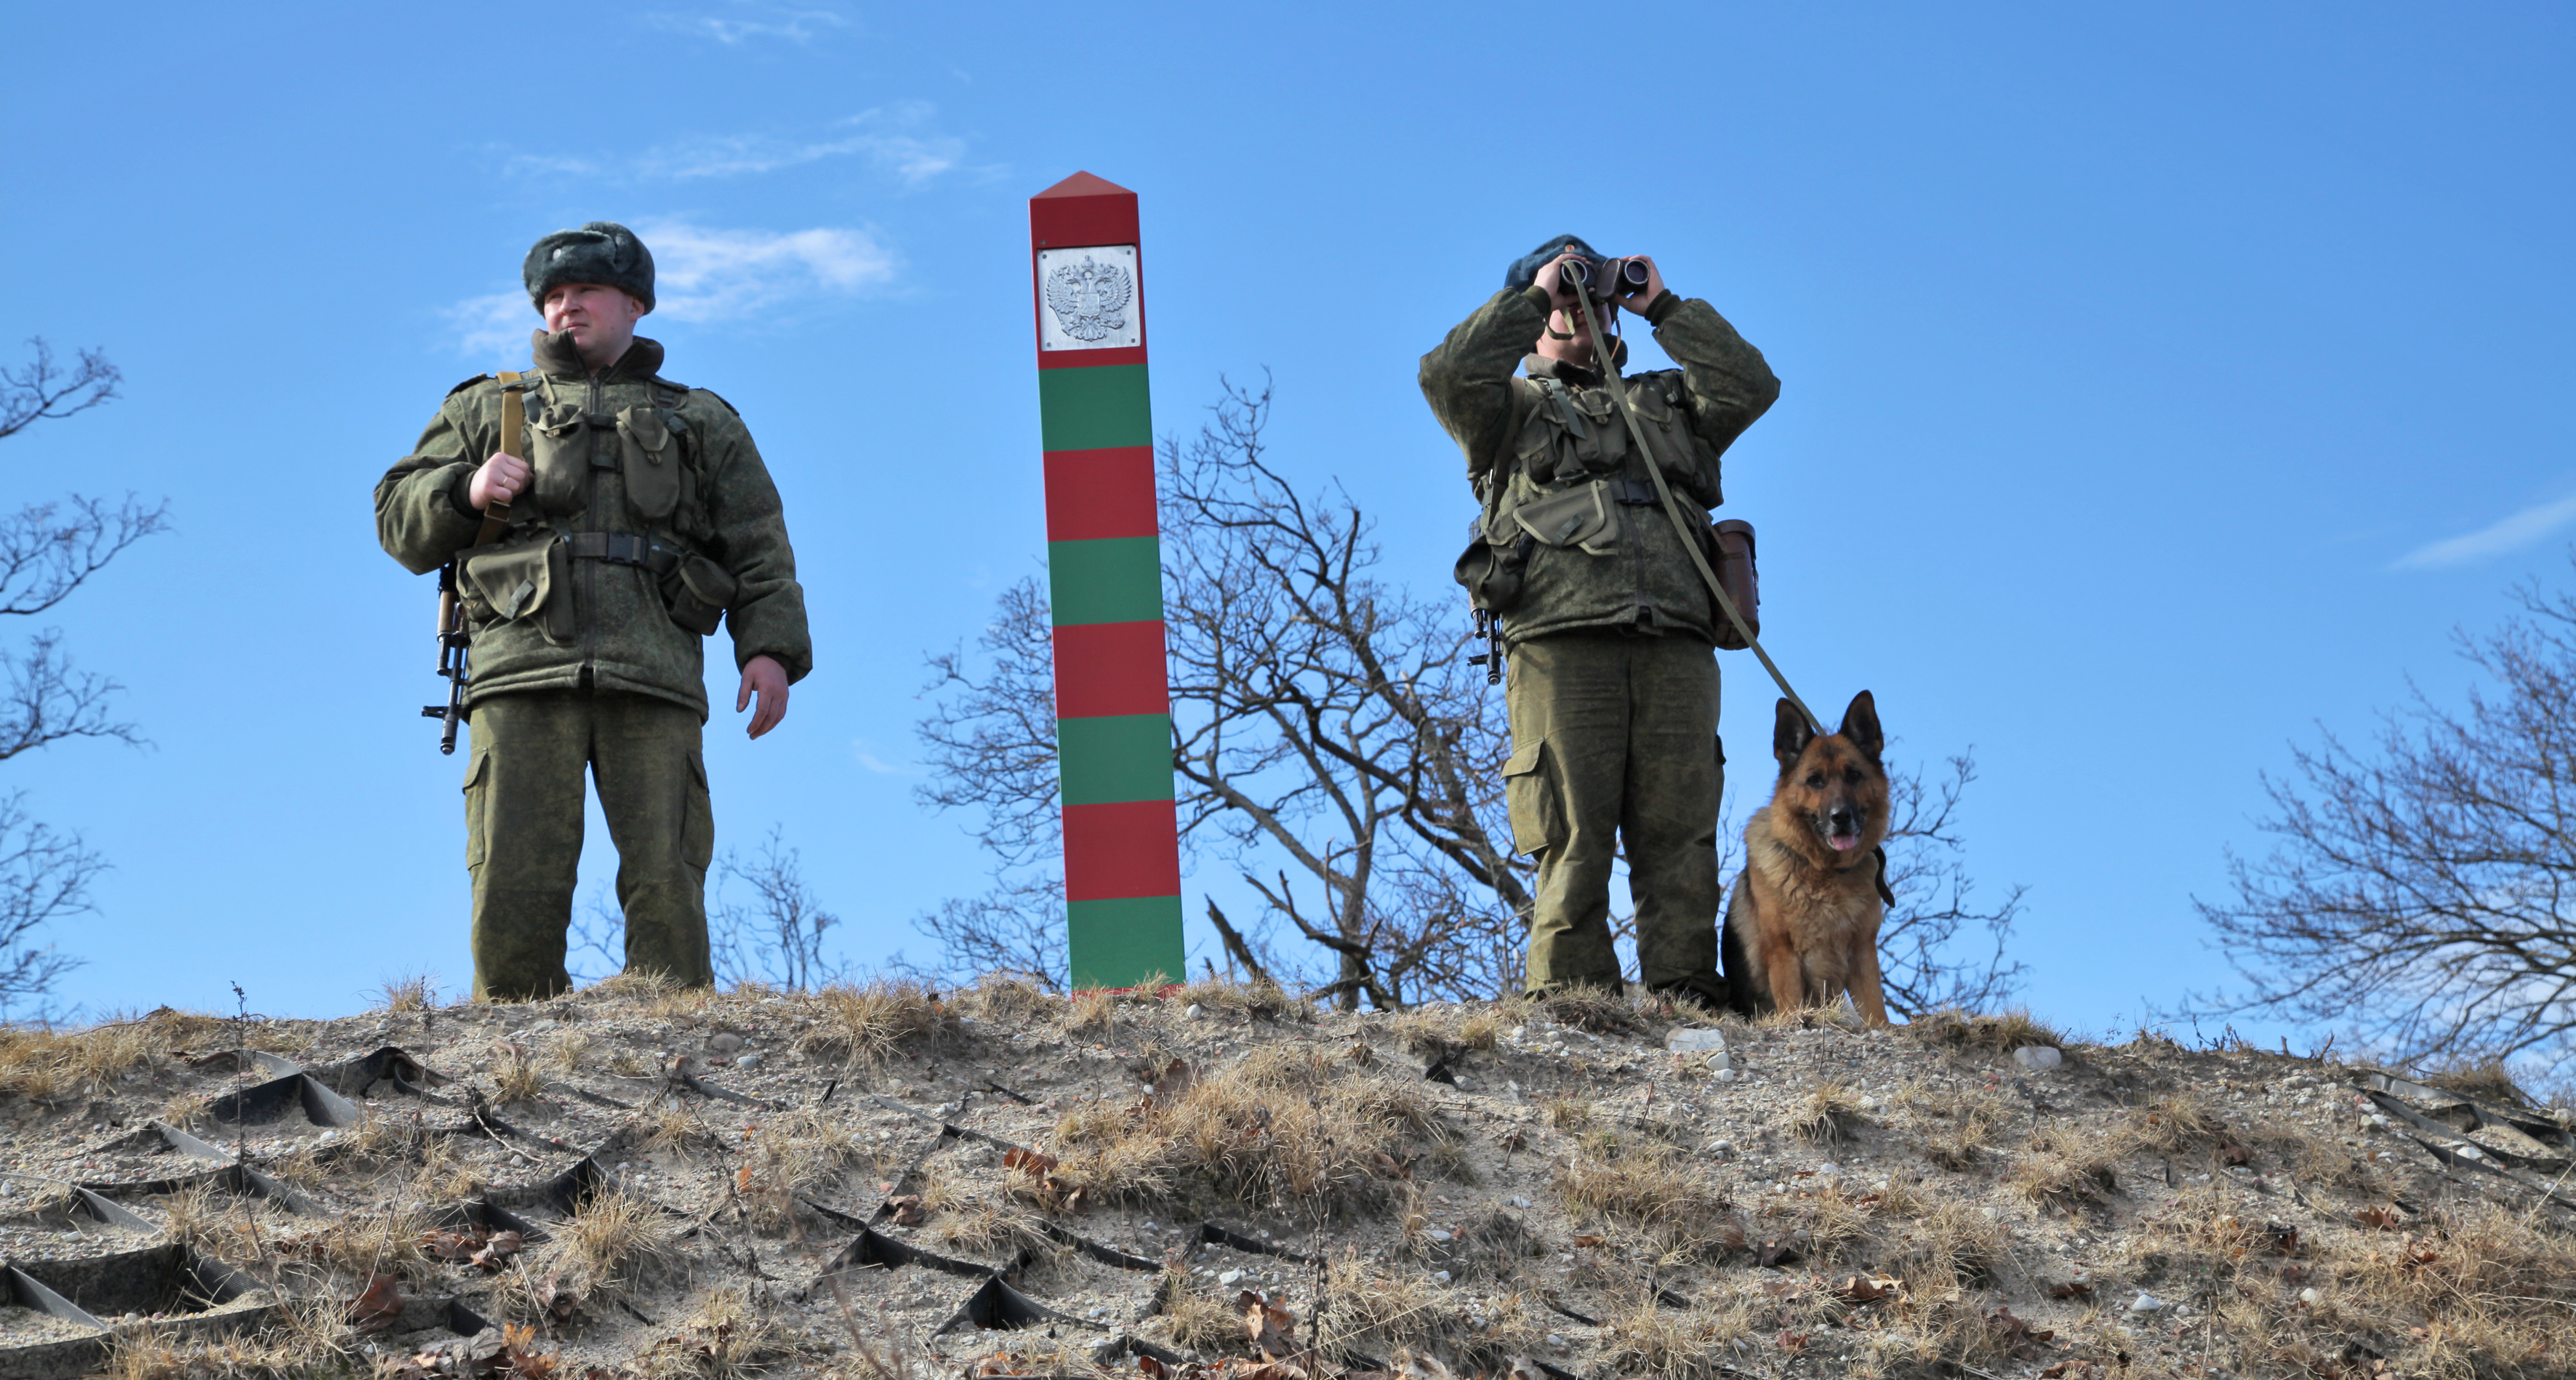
<point>1802,924</point>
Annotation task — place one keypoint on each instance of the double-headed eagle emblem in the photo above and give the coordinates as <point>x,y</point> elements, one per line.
<point>1089,298</point>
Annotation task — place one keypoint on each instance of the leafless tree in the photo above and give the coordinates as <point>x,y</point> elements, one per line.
<point>48,550</point>
<point>1330,719</point>
<point>1920,967</point>
<point>775,935</point>
<point>44,877</point>
<point>2420,893</point>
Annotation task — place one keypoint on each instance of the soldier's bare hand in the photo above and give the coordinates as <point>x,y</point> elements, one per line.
<point>766,678</point>
<point>1551,276</point>
<point>500,479</point>
<point>1644,297</point>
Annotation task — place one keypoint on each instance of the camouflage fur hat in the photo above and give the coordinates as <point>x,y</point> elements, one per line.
<point>1524,270</point>
<point>603,252</point>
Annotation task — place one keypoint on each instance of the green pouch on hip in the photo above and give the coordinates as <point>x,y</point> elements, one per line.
<point>699,591</point>
<point>527,578</point>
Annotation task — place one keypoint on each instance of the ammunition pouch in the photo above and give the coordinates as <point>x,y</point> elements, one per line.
<point>650,451</point>
<point>559,445</point>
<point>698,591</point>
<point>1494,573</point>
<point>527,577</point>
<point>1585,516</point>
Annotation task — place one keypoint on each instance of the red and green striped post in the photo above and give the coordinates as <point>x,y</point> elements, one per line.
<point>1113,727</point>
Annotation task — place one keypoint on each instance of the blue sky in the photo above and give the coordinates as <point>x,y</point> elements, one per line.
<point>2159,384</point>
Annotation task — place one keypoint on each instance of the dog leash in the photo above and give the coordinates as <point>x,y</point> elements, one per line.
<point>1691,545</point>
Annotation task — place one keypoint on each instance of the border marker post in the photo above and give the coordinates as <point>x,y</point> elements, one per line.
<point>1122,870</point>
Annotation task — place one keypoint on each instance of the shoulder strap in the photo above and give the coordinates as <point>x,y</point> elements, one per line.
<point>514,426</point>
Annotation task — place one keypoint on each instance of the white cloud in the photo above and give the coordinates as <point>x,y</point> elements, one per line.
<point>2507,534</point>
<point>494,327</point>
<point>745,20</point>
<point>898,140</point>
<point>859,747</point>
<point>715,275</point>
<point>699,275</point>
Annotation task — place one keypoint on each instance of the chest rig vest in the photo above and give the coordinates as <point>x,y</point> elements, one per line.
<point>1571,473</point>
<point>649,447</point>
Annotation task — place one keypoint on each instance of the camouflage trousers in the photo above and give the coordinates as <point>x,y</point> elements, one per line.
<point>1614,740</point>
<point>523,827</point>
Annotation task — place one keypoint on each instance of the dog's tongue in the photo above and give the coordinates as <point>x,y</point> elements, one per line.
<point>1843,842</point>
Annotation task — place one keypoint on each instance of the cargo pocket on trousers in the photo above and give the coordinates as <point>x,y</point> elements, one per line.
<point>1530,791</point>
<point>698,817</point>
<point>478,784</point>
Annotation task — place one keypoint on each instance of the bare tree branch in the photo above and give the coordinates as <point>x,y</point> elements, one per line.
<point>44,877</point>
<point>775,938</point>
<point>41,391</point>
<point>2417,892</point>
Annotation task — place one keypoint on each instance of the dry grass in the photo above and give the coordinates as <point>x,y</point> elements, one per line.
<point>409,992</point>
<point>387,1239</point>
<point>1949,1247</point>
<point>1566,1113</point>
<point>730,1337</point>
<point>51,1066</point>
<point>863,1026</point>
<point>1646,1185</point>
<point>1989,1035</point>
<point>1381,1312</point>
<point>1956,1127</point>
<point>518,1079</point>
<point>1091,1014</point>
<point>2487,1079</point>
<point>308,1339</point>
<point>1008,1000</point>
<point>787,1155</point>
<point>642,986</point>
<point>2066,1168</point>
<point>567,1050</point>
<point>2177,1122</point>
<point>1253,1000</point>
<point>1828,1115</point>
<point>1194,1317</point>
<point>1286,1124</point>
<point>1672,1343</point>
<point>617,1238</point>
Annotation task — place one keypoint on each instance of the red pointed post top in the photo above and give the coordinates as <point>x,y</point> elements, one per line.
<point>1082,209</point>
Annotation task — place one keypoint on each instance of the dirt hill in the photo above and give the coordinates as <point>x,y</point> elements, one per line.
<point>1221,1180</point>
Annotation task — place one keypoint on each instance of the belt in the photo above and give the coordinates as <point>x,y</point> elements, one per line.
<point>1634,494</point>
<point>619,548</point>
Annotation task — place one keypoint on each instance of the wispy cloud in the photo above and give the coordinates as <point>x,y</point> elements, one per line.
<point>717,275</point>
<point>859,748</point>
<point>701,275</point>
<point>493,328</point>
<point>746,21</point>
<point>2495,539</point>
<point>898,141</point>
<point>901,140</point>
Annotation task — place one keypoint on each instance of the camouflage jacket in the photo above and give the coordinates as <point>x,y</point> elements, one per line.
<point>1572,535</point>
<point>649,515</point>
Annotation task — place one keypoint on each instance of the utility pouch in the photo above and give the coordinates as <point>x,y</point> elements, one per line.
<point>1494,573</point>
<point>698,592</point>
<point>527,578</point>
<point>652,459</point>
<point>559,442</point>
<point>1586,516</point>
<point>1729,548</point>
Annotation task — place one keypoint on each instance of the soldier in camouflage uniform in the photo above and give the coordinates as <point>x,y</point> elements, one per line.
<point>640,516</point>
<point>1608,627</point>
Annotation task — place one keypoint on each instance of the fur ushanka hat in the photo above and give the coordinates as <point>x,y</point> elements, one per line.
<point>603,252</point>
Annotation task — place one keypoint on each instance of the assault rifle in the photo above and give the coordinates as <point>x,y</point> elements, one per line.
<point>455,639</point>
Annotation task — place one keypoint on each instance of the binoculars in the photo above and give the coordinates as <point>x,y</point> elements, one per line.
<point>1606,280</point>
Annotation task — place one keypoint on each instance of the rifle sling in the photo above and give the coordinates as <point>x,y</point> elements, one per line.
<point>514,425</point>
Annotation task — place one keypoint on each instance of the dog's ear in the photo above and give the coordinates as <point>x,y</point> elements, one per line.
<point>1860,724</point>
<point>1789,734</point>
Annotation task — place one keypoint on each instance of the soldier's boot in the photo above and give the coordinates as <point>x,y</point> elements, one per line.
<point>523,828</point>
<point>653,789</point>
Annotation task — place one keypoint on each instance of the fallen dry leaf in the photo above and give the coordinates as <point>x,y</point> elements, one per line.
<point>1869,1289</point>
<point>1587,1241</point>
<point>2235,1154</point>
<point>502,1246</point>
<point>377,1307</point>
<point>2076,1290</point>
<point>2381,1218</point>
<point>907,1210</point>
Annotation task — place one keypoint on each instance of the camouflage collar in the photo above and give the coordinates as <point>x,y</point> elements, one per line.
<point>1574,375</point>
<point>555,354</point>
